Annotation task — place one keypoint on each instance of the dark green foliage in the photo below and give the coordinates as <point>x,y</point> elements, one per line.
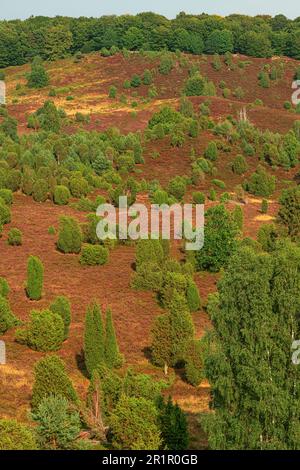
<point>220,240</point>
<point>194,363</point>
<point>177,187</point>
<point>94,339</point>
<point>211,151</point>
<point>219,42</point>
<point>38,77</point>
<point>289,212</point>
<point>14,237</point>
<point>5,215</point>
<point>267,236</point>
<point>171,333</point>
<point>7,318</point>
<point>58,425</point>
<point>61,305</point>
<point>70,235</point>
<point>194,85</point>
<point>239,165</point>
<point>61,195</point>
<point>94,255</point>
<point>44,332</point>
<point>78,186</point>
<point>7,196</point>
<point>238,217</point>
<point>147,77</point>
<point>264,206</point>
<point>261,183</point>
<point>136,81</point>
<point>4,287</point>
<point>248,362</point>
<point>166,64</point>
<point>50,378</point>
<point>193,297</point>
<point>113,358</point>
<point>134,425</point>
<point>199,198</point>
<point>16,436</point>
<point>35,278</point>
<point>40,190</point>
<point>173,425</point>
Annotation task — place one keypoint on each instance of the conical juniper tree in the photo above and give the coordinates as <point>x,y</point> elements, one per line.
<point>171,333</point>
<point>255,385</point>
<point>94,343</point>
<point>113,358</point>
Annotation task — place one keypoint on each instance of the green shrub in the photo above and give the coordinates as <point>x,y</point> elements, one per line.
<point>136,81</point>
<point>61,305</point>
<point>16,436</point>
<point>61,195</point>
<point>264,206</point>
<point>7,196</point>
<point>166,64</point>
<point>193,297</point>
<point>194,85</point>
<point>50,378</point>
<point>44,332</point>
<point>7,318</point>
<point>211,152</point>
<point>14,237</point>
<point>78,186</point>
<point>94,255</point>
<point>177,187</point>
<point>147,77</point>
<point>70,235</point>
<point>220,184</point>
<point>112,93</point>
<point>51,230</point>
<point>35,278</point>
<point>4,287</point>
<point>40,190</point>
<point>5,215</point>
<point>261,183</point>
<point>194,363</point>
<point>198,197</point>
<point>239,165</point>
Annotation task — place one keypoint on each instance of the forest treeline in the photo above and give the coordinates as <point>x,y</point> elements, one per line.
<point>54,38</point>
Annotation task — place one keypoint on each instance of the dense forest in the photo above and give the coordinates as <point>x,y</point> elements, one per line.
<point>53,38</point>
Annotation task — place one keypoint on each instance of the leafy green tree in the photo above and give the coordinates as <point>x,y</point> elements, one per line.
<point>62,306</point>
<point>38,77</point>
<point>254,383</point>
<point>134,425</point>
<point>194,363</point>
<point>289,211</point>
<point>193,296</point>
<point>173,426</point>
<point>239,165</point>
<point>94,341</point>
<point>171,334</point>
<point>219,42</point>
<point>261,183</point>
<point>35,278</point>
<point>58,425</point>
<point>113,358</point>
<point>58,42</point>
<point>194,85</point>
<point>255,44</point>
<point>50,378</point>
<point>61,195</point>
<point>16,436</point>
<point>220,240</point>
